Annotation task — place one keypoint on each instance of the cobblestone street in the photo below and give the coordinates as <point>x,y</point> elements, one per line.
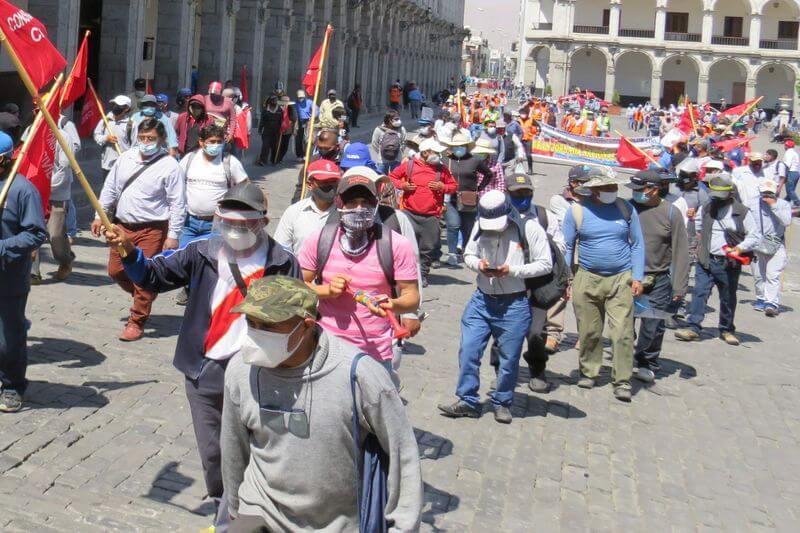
<point>105,440</point>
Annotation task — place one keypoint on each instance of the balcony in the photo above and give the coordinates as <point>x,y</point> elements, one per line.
<point>682,37</point>
<point>730,41</point>
<point>778,44</point>
<point>637,34</point>
<point>544,26</point>
<point>597,30</point>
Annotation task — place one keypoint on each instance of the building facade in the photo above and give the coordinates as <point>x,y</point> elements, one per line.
<point>374,42</point>
<point>475,56</point>
<point>659,50</point>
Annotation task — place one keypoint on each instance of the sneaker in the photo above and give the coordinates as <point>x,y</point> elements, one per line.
<point>36,279</point>
<point>687,335</point>
<point>729,338</point>
<point>758,305</point>
<point>436,264</point>
<point>539,384</point>
<point>183,297</point>
<point>425,282</point>
<point>502,414</point>
<point>132,332</point>
<point>622,393</point>
<point>645,374</point>
<point>771,310</point>
<point>459,409</point>
<point>452,260</point>
<point>585,382</point>
<point>10,401</point>
<point>551,345</point>
<point>63,272</point>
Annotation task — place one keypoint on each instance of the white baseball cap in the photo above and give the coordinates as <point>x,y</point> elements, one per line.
<point>121,99</point>
<point>365,172</point>
<point>768,186</point>
<point>714,164</point>
<point>493,210</point>
<point>432,145</point>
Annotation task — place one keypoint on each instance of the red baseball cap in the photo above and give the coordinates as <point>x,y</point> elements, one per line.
<point>788,143</point>
<point>324,170</point>
<point>215,87</point>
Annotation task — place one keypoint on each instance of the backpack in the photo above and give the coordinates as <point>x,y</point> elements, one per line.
<point>546,290</point>
<point>226,166</point>
<point>390,145</point>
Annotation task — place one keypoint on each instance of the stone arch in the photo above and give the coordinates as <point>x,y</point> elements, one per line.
<point>727,78</point>
<point>680,74</point>
<point>633,71</point>
<point>752,4</point>
<point>759,5</point>
<point>537,68</point>
<point>586,72</point>
<point>773,80</point>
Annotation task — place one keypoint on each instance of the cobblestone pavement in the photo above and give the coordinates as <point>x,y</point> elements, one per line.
<point>105,441</point>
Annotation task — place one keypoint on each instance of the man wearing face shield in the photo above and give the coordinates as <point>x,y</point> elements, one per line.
<point>149,109</point>
<point>190,123</point>
<point>611,262</point>
<point>290,387</point>
<point>666,265</point>
<point>360,253</point>
<point>220,269</point>
<point>725,225</point>
<point>499,306</point>
<point>309,214</point>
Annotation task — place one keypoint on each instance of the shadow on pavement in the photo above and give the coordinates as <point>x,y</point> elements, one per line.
<point>438,279</point>
<point>46,395</point>
<point>437,502</point>
<point>432,446</point>
<point>160,326</point>
<point>167,483</point>
<point>72,354</point>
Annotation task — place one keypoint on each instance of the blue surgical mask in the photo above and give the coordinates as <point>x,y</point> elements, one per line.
<point>639,197</point>
<point>148,149</point>
<point>213,150</point>
<point>460,151</point>
<point>522,203</point>
<point>149,111</point>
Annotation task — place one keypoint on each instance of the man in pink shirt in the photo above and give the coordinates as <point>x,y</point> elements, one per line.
<point>221,110</point>
<point>353,251</point>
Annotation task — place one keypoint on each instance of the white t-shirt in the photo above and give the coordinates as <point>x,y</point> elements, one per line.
<point>792,160</point>
<point>206,183</point>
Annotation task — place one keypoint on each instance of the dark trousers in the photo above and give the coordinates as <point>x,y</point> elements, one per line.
<point>283,147</point>
<point>248,524</point>
<point>651,330</point>
<point>429,239</point>
<point>354,117</point>
<point>535,355</point>
<point>205,396</point>
<point>13,342</point>
<point>725,277</point>
<point>300,139</point>
<point>269,147</point>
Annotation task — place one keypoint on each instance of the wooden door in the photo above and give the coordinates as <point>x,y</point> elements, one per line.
<point>738,93</point>
<point>673,90</point>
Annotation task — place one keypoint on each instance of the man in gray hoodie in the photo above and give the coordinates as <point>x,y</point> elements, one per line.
<point>287,439</point>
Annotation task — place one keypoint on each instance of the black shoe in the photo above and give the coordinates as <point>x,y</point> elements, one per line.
<point>459,410</point>
<point>183,297</point>
<point>539,384</point>
<point>502,414</point>
<point>10,401</point>
<point>424,282</point>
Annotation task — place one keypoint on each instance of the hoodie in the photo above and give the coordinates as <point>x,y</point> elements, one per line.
<point>188,129</point>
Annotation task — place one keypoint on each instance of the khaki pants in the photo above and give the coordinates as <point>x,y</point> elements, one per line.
<point>554,327</point>
<point>595,297</point>
<point>59,242</point>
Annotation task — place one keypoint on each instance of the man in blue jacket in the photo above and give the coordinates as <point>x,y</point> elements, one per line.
<point>22,231</point>
<point>219,271</point>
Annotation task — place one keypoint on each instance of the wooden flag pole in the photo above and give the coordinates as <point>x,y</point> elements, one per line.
<point>27,143</point>
<point>312,120</point>
<point>648,156</point>
<point>102,112</point>
<point>743,113</point>
<point>73,163</point>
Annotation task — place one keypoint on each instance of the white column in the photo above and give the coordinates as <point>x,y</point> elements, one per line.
<point>661,24</point>
<point>611,81</point>
<point>186,42</point>
<point>750,89</point>
<point>613,19</point>
<point>708,26</point>
<point>68,25</point>
<point>257,74</point>
<point>655,88</point>
<point>133,68</point>
<point>755,30</point>
<point>702,89</point>
<point>226,39</point>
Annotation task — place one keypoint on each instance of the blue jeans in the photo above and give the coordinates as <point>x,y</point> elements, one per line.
<point>194,229</point>
<point>791,185</point>
<point>72,219</point>
<point>631,123</point>
<point>13,342</point>
<point>726,279</point>
<point>458,222</point>
<point>506,318</point>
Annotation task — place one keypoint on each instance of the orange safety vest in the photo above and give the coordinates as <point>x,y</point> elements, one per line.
<point>394,95</point>
<point>527,129</point>
<point>589,128</point>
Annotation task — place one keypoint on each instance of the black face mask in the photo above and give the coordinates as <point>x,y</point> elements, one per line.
<point>326,194</point>
<point>180,101</point>
<point>332,98</point>
<point>329,154</point>
<point>118,109</point>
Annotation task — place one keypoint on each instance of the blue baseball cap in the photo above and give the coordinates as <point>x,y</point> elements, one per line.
<point>6,144</point>
<point>162,98</point>
<point>357,155</point>
<point>185,92</point>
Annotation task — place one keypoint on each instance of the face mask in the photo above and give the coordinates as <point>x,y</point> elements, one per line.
<point>180,101</point>
<point>239,238</point>
<point>139,94</point>
<point>324,195</point>
<point>213,150</point>
<point>356,223</point>
<point>522,203</point>
<point>328,153</point>
<point>149,111</point>
<point>719,196</point>
<point>459,151</point>
<point>425,131</point>
<point>332,98</point>
<point>434,160</point>
<point>117,109</point>
<point>639,197</point>
<point>397,123</point>
<point>266,348</point>
<point>491,132</point>
<point>607,197</point>
<point>196,112</point>
<point>148,149</point>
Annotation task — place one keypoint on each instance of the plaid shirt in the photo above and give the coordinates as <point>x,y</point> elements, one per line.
<point>498,183</point>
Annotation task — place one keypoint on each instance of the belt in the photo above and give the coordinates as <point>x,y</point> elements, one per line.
<point>135,226</point>
<point>505,296</point>
<point>209,218</point>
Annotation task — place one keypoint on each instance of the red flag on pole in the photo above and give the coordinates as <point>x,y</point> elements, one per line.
<point>242,135</point>
<point>37,162</point>
<point>629,156</point>
<point>75,86</point>
<point>686,125</point>
<point>310,79</point>
<point>243,84</point>
<point>737,110</point>
<point>28,37</point>
<point>148,87</point>
<point>90,116</point>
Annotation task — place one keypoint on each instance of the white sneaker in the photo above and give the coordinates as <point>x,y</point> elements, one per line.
<point>645,374</point>
<point>452,260</point>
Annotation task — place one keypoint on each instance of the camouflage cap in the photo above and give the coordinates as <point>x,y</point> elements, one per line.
<point>276,299</point>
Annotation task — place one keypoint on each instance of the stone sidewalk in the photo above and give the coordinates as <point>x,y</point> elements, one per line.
<point>105,441</point>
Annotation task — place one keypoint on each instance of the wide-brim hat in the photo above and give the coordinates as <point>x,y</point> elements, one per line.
<point>459,139</point>
<point>600,178</point>
<point>483,147</point>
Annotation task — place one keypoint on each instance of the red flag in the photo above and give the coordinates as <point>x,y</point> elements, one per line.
<point>242,135</point>
<point>37,162</point>
<point>629,157</point>
<point>90,116</point>
<point>75,86</point>
<point>312,72</point>
<point>730,144</point>
<point>685,123</point>
<point>243,84</point>
<point>737,110</point>
<point>148,87</point>
<point>28,37</point>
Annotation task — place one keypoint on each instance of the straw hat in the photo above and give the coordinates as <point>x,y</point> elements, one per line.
<point>460,139</point>
<point>483,147</point>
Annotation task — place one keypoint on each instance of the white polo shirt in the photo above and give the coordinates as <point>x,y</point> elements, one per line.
<point>206,183</point>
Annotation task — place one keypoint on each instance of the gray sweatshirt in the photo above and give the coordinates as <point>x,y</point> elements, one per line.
<point>298,482</point>
<point>61,179</point>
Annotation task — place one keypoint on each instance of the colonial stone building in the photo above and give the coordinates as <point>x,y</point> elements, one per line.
<point>659,50</point>
<point>374,42</point>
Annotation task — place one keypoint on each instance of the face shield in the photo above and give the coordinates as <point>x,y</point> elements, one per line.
<point>236,231</point>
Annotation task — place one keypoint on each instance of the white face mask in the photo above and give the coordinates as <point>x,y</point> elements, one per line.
<point>239,239</point>
<point>607,197</point>
<point>267,348</point>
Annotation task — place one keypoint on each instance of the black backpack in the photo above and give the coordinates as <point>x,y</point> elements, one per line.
<point>548,289</point>
<point>390,145</point>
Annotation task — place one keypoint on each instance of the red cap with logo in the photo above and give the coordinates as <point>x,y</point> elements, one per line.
<point>324,170</point>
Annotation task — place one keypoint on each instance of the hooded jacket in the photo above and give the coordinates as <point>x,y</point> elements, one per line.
<point>187,122</point>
